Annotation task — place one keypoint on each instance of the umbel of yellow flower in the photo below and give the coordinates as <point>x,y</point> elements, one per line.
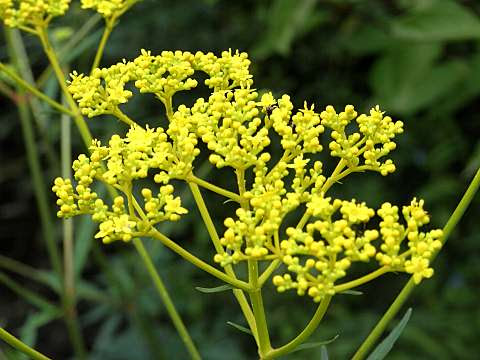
<point>237,126</point>
<point>30,13</point>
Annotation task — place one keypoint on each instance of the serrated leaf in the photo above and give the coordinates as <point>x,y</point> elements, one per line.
<point>351,292</point>
<point>240,327</point>
<point>311,345</point>
<point>214,289</point>
<point>382,350</point>
<point>442,21</point>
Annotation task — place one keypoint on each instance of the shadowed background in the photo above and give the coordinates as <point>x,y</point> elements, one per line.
<point>419,60</point>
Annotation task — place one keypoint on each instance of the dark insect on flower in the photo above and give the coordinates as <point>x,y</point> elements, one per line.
<point>270,109</point>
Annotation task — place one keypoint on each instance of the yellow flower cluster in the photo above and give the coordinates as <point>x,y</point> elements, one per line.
<point>31,13</point>
<point>126,160</point>
<point>322,253</point>
<point>237,126</point>
<point>162,75</point>
<point>109,8</point>
<point>371,142</point>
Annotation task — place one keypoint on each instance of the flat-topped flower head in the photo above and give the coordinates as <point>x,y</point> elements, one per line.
<point>237,127</point>
<point>31,13</point>
<point>109,8</point>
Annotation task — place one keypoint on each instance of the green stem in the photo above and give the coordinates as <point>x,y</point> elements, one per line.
<point>169,107</point>
<point>309,329</point>
<point>25,85</point>
<point>109,24</point>
<point>24,348</point>
<point>124,118</point>
<point>23,269</point>
<point>36,172</point>
<point>47,224</point>
<point>239,295</point>
<point>268,271</point>
<point>332,179</point>
<point>72,42</point>
<point>217,189</point>
<point>52,57</point>
<point>162,291</point>
<point>26,294</point>
<point>408,288</point>
<point>69,295</point>
<point>362,280</point>
<point>263,338</point>
<point>197,262</point>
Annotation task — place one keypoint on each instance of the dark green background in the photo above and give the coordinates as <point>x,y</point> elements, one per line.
<point>419,60</point>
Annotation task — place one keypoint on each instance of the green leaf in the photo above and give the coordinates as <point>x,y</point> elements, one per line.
<point>214,289</point>
<point>240,327</point>
<point>29,330</point>
<point>286,20</point>
<point>442,21</point>
<point>351,292</point>
<point>407,79</point>
<point>382,350</point>
<point>311,345</point>
<point>323,353</point>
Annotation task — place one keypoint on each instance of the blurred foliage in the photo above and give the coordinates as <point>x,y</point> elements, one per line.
<point>418,59</point>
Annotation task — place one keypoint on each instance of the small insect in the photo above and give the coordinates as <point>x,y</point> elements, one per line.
<point>270,109</point>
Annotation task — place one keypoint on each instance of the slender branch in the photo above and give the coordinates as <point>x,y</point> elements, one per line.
<point>217,189</point>
<point>26,294</point>
<point>109,24</point>
<point>73,41</point>
<point>408,288</point>
<point>19,345</point>
<point>197,262</point>
<point>162,291</point>
<point>362,280</point>
<point>239,295</point>
<point>309,329</point>
<point>332,179</point>
<point>263,339</point>
<point>52,57</point>
<point>25,85</point>
<point>124,118</point>
<point>268,271</point>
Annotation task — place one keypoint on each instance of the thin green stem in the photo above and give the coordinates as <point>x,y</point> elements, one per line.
<point>19,345</point>
<point>332,179</point>
<point>217,189</point>
<point>25,293</point>
<point>109,24</point>
<point>52,57</point>
<point>268,271</point>
<point>263,339</point>
<point>47,223</point>
<point>69,293</point>
<point>362,280</point>
<point>239,295</point>
<point>68,265</point>
<point>305,334</point>
<point>162,291</point>
<point>197,262</point>
<point>124,118</point>
<point>25,85</point>
<point>169,107</point>
<point>34,165</point>
<point>72,42</point>
<point>402,297</point>
<point>23,269</point>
